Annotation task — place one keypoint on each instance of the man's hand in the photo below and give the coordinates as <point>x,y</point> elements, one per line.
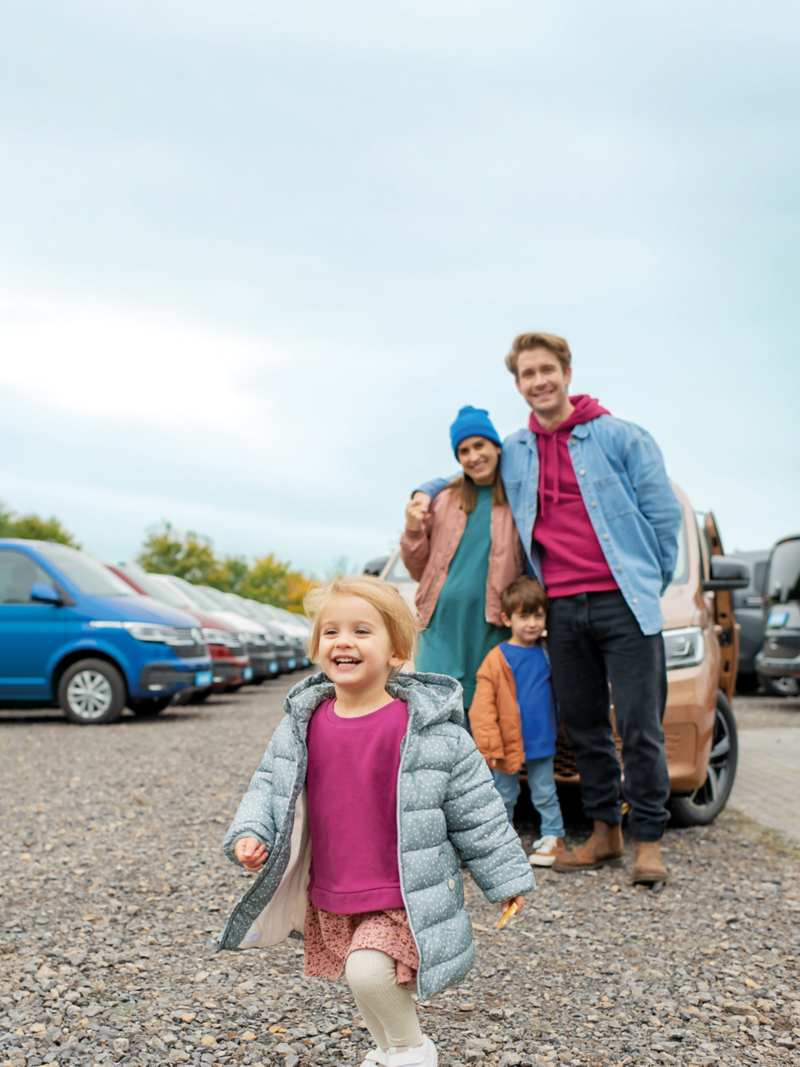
<point>417,510</point>
<point>250,853</point>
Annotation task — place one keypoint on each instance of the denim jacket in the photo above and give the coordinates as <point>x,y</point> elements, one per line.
<point>633,510</point>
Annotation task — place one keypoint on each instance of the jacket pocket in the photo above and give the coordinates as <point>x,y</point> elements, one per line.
<point>614,501</point>
<point>512,485</point>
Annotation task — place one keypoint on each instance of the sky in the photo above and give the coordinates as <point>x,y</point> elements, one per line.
<point>254,257</point>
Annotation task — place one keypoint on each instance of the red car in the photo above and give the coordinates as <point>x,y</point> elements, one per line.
<point>230,664</point>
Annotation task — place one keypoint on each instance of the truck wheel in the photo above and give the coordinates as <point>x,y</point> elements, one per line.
<point>703,805</point>
<point>780,687</point>
<point>91,692</point>
<point>149,706</point>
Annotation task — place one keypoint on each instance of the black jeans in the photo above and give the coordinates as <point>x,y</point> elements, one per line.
<point>594,639</point>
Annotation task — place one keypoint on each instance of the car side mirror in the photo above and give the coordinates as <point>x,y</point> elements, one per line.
<point>726,574</point>
<point>45,594</point>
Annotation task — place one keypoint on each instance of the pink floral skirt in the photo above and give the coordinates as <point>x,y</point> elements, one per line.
<point>330,938</point>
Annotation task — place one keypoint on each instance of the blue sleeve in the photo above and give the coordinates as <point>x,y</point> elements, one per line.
<point>655,497</point>
<point>434,487</point>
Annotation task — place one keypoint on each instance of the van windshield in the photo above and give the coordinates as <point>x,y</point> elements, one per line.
<point>784,572</point>
<point>84,571</point>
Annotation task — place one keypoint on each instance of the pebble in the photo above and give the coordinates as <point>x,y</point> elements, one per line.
<point>114,884</point>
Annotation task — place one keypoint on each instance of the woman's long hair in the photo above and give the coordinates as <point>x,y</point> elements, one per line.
<point>469,491</point>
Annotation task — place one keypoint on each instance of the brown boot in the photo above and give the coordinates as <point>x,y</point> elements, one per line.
<point>647,865</point>
<point>604,848</point>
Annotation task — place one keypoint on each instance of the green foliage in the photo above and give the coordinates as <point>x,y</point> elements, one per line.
<point>32,528</point>
<point>191,556</point>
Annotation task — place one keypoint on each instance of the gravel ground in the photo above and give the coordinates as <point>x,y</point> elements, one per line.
<point>113,883</point>
<point>753,712</point>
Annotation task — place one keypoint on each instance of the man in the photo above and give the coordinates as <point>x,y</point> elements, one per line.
<point>599,522</point>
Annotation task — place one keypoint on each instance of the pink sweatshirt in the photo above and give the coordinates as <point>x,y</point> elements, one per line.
<point>572,559</point>
<point>353,766</point>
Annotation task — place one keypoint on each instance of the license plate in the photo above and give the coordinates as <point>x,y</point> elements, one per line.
<point>248,674</point>
<point>292,664</point>
<point>778,618</point>
<point>274,668</point>
<point>203,678</point>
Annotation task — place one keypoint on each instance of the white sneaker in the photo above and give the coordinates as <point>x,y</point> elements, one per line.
<point>423,1055</point>
<point>375,1055</point>
<point>545,851</point>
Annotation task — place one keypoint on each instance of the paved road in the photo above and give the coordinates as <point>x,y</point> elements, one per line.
<point>767,786</point>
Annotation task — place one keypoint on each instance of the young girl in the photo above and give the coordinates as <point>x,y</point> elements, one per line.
<point>368,799</point>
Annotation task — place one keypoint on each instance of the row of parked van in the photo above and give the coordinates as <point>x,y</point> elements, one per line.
<point>95,638</point>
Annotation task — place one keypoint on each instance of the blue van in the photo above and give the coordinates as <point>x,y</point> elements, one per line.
<point>72,632</point>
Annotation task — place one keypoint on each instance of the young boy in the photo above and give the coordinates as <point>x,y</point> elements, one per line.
<point>513,714</point>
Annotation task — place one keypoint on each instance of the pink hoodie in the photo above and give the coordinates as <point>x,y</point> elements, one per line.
<point>572,559</point>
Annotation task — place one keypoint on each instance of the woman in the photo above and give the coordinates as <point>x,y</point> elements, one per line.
<point>463,553</point>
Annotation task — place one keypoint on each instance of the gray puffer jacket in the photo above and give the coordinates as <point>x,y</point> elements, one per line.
<point>448,811</point>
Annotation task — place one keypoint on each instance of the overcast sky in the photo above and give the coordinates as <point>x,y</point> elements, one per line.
<point>254,257</point>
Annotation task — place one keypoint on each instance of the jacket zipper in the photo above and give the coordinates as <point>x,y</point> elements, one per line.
<point>400,854</point>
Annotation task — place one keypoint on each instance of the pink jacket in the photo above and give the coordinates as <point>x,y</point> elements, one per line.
<point>427,554</point>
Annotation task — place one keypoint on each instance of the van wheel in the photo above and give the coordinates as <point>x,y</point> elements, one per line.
<point>91,692</point>
<point>149,707</point>
<point>703,805</point>
<point>780,687</point>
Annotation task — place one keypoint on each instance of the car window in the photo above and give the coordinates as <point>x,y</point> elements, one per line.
<point>784,572</point>
<point>88,574</point>
<point>759,573</point>
<point>398,572</point>
<point>18,572</point>
<point>681,575</point>
<point>159,591</point>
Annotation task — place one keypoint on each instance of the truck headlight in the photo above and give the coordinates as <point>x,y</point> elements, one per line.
<point>685,647</point>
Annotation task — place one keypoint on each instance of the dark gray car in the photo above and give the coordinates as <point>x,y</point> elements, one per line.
<point>748,608</point>
<point>778,662</point>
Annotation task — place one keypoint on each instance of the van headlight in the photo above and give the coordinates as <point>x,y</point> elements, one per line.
<point>220,637</point>
<point>685,647</point>
<point>164,635</point>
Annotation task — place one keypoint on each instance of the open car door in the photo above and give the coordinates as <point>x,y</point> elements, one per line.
<point>726,626</point>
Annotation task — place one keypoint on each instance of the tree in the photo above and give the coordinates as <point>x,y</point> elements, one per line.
<point>229,574</point>
<point>267,581</point>
<point>189,555</point>
<point>32,528</point>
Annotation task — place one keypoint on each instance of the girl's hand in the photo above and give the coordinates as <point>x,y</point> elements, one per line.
<point>416,510</point>
<point>519,901</point>
<point>250,853</point>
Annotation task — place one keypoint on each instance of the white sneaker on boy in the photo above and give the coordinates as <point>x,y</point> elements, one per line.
<point>423,1055</point>
<point>545,851</point>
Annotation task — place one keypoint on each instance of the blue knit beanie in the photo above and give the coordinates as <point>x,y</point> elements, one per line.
<point>472,422</point>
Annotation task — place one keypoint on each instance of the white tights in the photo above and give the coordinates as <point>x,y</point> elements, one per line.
<point>387,1008</point>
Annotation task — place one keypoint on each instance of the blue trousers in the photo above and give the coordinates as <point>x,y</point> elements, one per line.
<point>542,786</point>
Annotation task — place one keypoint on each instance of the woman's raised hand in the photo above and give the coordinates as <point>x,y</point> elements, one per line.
<point>250,853</point>
<point>416,511</point>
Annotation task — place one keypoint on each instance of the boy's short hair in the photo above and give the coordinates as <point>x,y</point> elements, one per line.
<point>525,342</point>
<point>395,612</point>
<point>524,594</point>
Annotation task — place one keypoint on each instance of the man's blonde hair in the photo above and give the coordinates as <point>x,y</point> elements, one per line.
<point>527,341</point>
<point>395,612</point>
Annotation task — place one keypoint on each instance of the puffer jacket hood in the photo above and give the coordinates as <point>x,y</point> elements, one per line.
<point>448,813</point>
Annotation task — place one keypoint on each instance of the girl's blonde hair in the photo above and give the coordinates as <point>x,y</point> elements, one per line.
<point>395,612</point>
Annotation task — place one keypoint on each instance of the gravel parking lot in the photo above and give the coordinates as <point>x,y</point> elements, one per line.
<point>113,883</point>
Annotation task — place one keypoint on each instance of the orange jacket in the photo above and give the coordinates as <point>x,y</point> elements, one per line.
<point>427,554</point>
<point>494,714</point>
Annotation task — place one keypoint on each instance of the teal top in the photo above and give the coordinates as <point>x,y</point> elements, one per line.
<point>458,637</point>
